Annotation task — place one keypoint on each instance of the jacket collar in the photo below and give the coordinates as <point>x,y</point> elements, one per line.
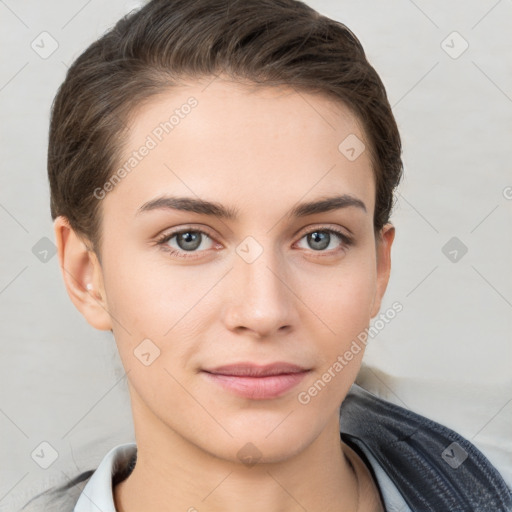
<point>433,467</point>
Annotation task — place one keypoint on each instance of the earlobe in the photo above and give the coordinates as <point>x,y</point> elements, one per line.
<point>82,274</point>
<point>383,256</point>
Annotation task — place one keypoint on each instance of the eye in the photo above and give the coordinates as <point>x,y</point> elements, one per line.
<point>184,241</point>
<point>190,243</point>
<point>320,239</point>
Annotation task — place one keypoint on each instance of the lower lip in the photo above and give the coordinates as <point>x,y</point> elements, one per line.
<point>258,388</point>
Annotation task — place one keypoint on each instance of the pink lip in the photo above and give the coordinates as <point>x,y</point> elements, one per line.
<point>257,382</point>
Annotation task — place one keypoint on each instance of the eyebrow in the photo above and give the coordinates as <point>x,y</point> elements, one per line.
<point>212,208</point>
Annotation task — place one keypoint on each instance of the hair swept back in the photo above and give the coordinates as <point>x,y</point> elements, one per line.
<point>267,42</point>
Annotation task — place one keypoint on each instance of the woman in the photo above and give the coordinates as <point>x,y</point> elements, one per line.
<point>222,178</point>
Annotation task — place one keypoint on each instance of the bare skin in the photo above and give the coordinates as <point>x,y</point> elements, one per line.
<point>262,152</point>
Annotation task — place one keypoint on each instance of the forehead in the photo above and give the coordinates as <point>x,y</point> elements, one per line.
<point>243,145</point>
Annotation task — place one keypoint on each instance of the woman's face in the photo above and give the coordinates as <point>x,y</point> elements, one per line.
<point>198,317</point>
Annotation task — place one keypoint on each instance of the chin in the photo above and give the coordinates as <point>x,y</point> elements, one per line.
<point>251,445</point>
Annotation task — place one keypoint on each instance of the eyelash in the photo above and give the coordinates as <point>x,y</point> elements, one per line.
<point>162,241</point>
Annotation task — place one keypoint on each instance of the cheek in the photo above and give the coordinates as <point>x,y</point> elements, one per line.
<point>353,299</point>
<point>342,299</point>
<point>344,310</point>
<point>150,299</point>
<point>146,295</point>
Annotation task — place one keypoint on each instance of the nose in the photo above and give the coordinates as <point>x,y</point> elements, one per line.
<point>259,298</point>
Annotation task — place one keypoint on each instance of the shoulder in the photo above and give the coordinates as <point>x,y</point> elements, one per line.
<point>92,488</point>
<point>58,498</point>
<point>433,467</point>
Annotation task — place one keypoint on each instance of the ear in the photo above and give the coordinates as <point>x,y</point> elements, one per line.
<point>383,249</point>
<point>82,275</point>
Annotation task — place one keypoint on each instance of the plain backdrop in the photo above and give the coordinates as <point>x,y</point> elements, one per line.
<point>447,67</point>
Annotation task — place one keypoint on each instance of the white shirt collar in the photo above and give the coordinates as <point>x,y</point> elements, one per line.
<point>97,495</point>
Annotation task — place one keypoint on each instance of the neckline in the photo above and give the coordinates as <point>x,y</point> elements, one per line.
<point>365,479</point>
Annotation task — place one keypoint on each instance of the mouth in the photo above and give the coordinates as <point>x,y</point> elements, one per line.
<point>257,382</point>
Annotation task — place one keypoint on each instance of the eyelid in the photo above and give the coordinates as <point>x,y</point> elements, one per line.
<point>326,227</point>
<point>183,229</point>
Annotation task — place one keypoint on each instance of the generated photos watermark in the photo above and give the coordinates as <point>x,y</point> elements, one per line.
<point>154,138</point>
<point>304,397</point>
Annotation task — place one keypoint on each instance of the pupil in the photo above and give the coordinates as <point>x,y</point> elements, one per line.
<point>316,238</point>
<point>190,240</point>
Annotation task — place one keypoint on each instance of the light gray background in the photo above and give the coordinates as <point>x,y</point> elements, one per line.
<point>447,355</point>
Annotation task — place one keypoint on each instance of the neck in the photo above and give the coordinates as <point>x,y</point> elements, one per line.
<point>171,474</point>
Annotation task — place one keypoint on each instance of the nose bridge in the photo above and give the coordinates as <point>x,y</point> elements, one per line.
<point>261,298</point>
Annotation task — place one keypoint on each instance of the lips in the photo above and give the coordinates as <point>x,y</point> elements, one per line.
<point>253,370</point>
<point>257,382</point>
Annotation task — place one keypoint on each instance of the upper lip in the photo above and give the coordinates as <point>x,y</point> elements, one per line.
<point>254,370</point>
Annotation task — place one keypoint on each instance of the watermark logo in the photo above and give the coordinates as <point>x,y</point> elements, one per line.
<point>44,45</point>
<point>454,45</point>
<point>44,249</point>
<point>44,455</point>
<point>249,455</point>
<point>249,249</point>
<point>146,352</point>
<point>454,455</point>
<point>454,249</point>
<point>352,147</point>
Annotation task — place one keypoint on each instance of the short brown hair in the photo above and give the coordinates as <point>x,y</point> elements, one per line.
<point>267,42</point>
